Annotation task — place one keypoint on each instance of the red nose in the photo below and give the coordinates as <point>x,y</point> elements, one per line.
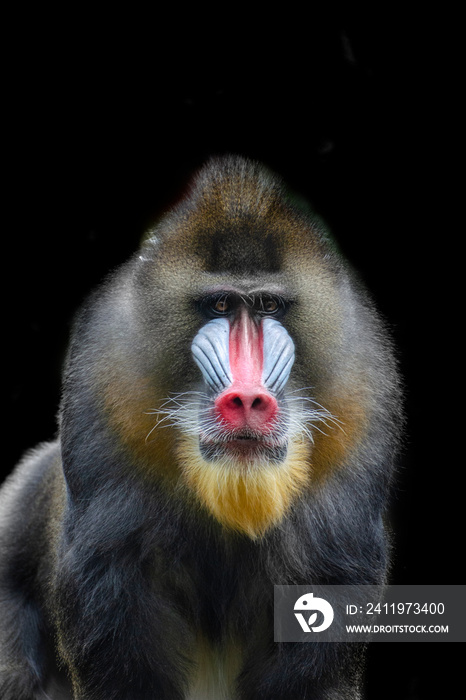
<point>246,407</point>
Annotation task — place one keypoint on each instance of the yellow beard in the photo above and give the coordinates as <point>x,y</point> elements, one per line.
<point>249,497</point>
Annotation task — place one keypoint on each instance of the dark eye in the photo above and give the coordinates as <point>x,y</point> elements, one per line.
<point>216,305</point>
<point>221,306</point>
<point>270,306</point>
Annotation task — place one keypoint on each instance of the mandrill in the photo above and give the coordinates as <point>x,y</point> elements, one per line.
<point>229,421</point>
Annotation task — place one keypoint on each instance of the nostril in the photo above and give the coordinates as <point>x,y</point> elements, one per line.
<point>251,407</point>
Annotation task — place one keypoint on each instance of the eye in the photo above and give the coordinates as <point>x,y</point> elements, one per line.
<point>221,306</point>
<point>270,306</point>
<point>216,305</point>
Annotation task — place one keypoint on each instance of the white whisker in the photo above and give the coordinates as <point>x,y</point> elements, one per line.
<point>192,413</point>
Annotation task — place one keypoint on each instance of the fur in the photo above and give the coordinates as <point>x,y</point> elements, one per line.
<point>134,566</point>
<point>250,499</point>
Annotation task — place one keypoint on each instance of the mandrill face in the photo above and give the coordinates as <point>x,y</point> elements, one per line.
<point>243,463</point>
<point>241,469</point>
<point>245,356</point>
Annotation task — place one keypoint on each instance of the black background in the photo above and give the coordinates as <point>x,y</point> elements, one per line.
<point>108,116</point>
